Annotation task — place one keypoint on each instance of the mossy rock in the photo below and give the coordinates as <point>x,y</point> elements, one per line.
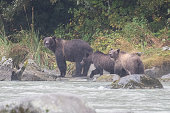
<point>137,81</point>
<point>108,78</point>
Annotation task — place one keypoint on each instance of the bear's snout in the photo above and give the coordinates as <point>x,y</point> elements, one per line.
<point>47,43</point>
<point>111,54</point>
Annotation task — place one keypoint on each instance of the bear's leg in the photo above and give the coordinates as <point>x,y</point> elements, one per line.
<point>94,72</point>
<point>129,67</point>
<point>129,73</point>
<point>78,69</point>
<point>139,67</point>
<point>86,67</point>
<point>112,72</point>
<point>124,72</point>
<point>119,70</point>
<point>101,71</point>
<point>62,67</point>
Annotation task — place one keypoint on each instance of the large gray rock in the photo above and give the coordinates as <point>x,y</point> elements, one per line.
<point>137,81</point>
<point>5,69</point>
<point>34,73</point>
<point>5,73</point>
<point>166,78</point>
<point>158,71</point>
<point>52,103</point>
<point>29,72</point>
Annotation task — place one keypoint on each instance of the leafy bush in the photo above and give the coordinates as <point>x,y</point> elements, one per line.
<point>136,32</point>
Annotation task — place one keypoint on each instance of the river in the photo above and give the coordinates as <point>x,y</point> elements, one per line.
<point>103,99</point>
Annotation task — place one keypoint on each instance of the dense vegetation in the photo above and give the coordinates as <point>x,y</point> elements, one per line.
<point>132,25</point>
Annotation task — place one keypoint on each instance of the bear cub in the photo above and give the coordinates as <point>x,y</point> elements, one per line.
<point>125,63</point>
<point>101,62</point>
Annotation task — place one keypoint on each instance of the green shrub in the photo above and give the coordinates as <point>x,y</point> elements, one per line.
<point>136,32</point>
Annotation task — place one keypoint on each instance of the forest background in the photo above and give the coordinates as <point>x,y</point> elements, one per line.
<point>131,25</point>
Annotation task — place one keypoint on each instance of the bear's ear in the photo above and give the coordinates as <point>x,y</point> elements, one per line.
<point>118,50</point>
<point>54,37</point>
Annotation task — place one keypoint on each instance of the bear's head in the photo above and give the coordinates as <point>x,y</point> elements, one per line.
<point>50,42</point>
<point>86,59</point>
<point>114,53</point>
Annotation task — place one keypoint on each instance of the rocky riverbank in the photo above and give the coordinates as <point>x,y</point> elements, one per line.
<point>30,71</point>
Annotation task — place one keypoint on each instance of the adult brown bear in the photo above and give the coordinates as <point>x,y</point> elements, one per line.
<point>126,64</point>
<point>101,62</point>
<point>69,50</point>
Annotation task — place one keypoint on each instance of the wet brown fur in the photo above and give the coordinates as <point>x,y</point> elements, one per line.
<point>69,50</point>
<point>126,64</point>
<point>101,62</point>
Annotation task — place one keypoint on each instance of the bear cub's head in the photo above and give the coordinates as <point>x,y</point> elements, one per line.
<point>114,53</point>
<point>50,42</point>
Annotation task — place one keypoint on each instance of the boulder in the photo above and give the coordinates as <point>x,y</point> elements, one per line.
<point>166,78</point>
<point>5,69</point>
<point>34,73</point>
<point>159,71</point>
<point>5,73</point>
<point>29,71</point>
<point>137,81</point>
<point>50,103</point>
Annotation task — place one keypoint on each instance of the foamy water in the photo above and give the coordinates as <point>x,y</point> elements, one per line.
<point>103,99</point>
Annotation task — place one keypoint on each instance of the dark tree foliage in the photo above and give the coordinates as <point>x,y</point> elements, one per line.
<point>80,18</point>
<point>44,15</point>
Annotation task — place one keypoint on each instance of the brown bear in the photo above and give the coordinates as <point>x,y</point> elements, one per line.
<point>101,62</point>
<point>69,50</point>
<point>126,64</point>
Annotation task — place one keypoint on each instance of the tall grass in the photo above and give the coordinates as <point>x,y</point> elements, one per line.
<point>33,43</point>
<point>4,43</point>
<point>25,41</point>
